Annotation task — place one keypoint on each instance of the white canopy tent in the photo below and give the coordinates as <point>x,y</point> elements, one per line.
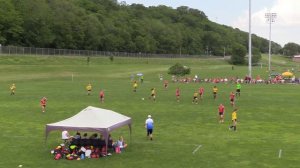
<point>92,119</point>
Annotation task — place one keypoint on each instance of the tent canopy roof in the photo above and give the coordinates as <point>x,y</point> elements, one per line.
<point>91,119</point>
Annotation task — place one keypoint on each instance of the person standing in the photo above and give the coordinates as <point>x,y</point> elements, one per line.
<point>221,110</point>
<point>177,94</point>
<point>201,92</point>
<point>238,89</point>
<point>43,103</point>
<point>232,97</point>
<point>149,126</point>
<point>101,96</point>
<point>195,97</point>
<point>89,89</point>
<point>215,91</point>
<point>13,89</point>
<point>142,79</point>
<point>166,83</point>
<point>234,120</point>
<point>153,94</point>
<point>135,85</point>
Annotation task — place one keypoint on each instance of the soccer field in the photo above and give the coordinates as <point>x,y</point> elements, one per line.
<point>185,134</point>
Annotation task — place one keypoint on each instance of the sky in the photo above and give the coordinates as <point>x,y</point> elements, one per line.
<point>235,13</point>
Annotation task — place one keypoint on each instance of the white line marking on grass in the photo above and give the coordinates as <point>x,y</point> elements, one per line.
<point>279,154</point>
<point>198,147</point>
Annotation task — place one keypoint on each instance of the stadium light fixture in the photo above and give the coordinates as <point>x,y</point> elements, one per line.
<point>270,19</point>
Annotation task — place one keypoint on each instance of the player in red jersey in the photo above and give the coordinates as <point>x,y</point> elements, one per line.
<point>221,110</point>
<point>232,97</point>
<point>177,94</point>
<point>43,103</point>
<point>101,96</point>
<point>201,92</point>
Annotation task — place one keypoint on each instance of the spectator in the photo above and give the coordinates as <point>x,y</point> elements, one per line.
<point>77,136</point>
<point>65,135</point>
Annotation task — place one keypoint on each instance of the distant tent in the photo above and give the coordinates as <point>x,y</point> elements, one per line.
<point>287,74</point>
<point>92,119</point>
<point>275,74</point>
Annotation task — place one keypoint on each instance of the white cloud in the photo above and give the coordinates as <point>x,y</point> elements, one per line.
<point>286,27</point>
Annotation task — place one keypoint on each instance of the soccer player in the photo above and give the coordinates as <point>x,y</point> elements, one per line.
<point>89,89</point>
<point>43,103</point>
<point>13,89</point>
<point>149,126</point>
<point>215,91</point>
<point>201,92</point>
<point>232,96</point>
<point>195,97</point>
<point>166,84</point>
<point>177,94</point>
<point>135,85</point>
<point>234,120</point>
<point>221,113</point>
<point>238,89</point>
<point>101,96</point>
<point>153,94</point>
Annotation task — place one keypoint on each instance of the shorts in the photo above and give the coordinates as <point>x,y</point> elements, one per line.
<point>238,90</point>
<point>195,98</point>
<point>101,97</point>
<point>200,93</point>
<point>234,120</point>
<point>215,93</point>
<point>221,113</point>
<point>153,95</point>
<point>149,131</point>
<point>232,100</point>
<point>43,105</point>
<point>89,90</point>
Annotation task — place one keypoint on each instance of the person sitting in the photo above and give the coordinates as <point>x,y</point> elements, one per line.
<point>120,144</point>
<point>84,136</point>
<point>77,136</point>
<point>65,136</point>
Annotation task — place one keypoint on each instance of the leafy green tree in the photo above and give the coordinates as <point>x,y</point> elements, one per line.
<point>179,70</point>
<point>37,18</point>
<point>10,24</point>
<point>256,56</point>
<point>238,54</point>
<point>291,49</point>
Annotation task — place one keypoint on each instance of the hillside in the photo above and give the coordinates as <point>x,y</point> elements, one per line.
<point>111,26</point>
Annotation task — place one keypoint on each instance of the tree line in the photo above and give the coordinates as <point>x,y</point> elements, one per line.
<point>109,25</point>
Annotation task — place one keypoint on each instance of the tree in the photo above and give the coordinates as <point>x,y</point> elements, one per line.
<point>256,56</point>
<point>10,24</point>
<point>238,54</point>
<point>179,70</point>
<point>291,49</point>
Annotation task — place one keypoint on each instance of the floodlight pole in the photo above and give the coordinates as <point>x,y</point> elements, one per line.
<point>250,43</point>
<point>270,19</point>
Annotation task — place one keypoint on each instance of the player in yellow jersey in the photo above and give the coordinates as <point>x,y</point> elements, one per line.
<point>215,91</point>
<point>135,85</point>
<point>89,88</point>
<point>153,94</point>
<point>195,97</point>
<point>13,89</point>
<point>234,120</point>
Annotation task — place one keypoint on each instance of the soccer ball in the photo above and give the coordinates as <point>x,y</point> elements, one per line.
<point>20,165</point>
<point>143,98</point>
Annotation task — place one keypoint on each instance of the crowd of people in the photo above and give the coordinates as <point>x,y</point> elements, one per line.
<point>79,147</point>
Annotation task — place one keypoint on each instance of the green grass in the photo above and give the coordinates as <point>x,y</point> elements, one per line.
<point>268,114</point>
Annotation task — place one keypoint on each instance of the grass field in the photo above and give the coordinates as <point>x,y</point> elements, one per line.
<point>185,134</point>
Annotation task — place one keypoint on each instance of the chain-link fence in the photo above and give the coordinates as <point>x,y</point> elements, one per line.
<point>13,50</point>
